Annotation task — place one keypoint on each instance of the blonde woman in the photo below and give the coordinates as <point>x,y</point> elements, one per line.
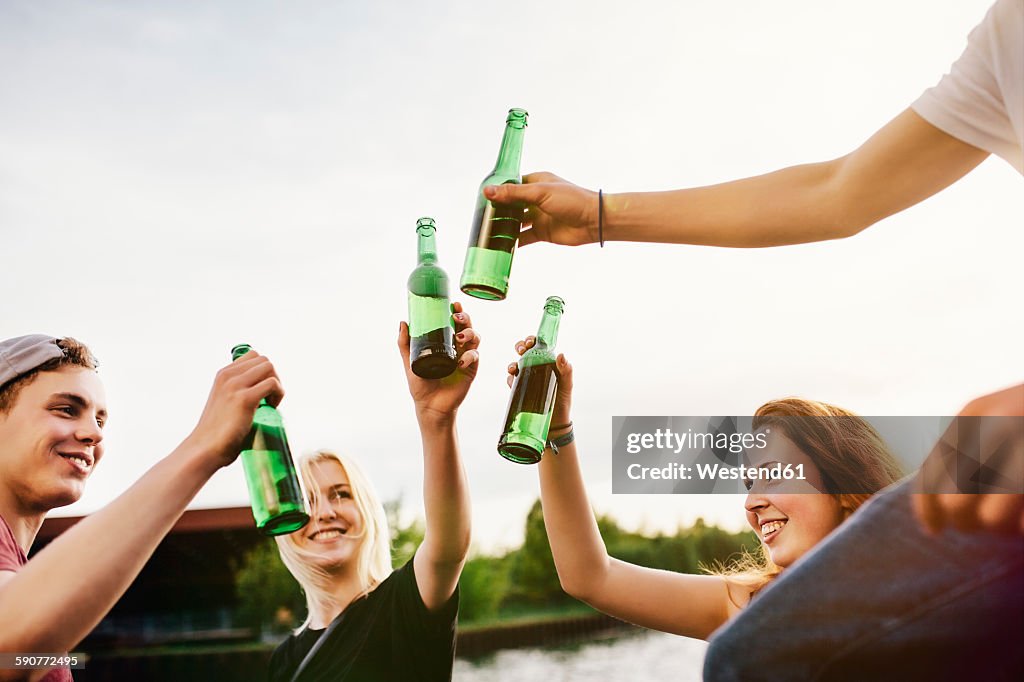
<point>844,460</point>
<point>365,620</point>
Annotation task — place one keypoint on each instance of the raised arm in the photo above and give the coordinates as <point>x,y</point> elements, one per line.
<point>690,605</point>
<point>56,599</point>
<point>905,162</point>
<point>440,557</point>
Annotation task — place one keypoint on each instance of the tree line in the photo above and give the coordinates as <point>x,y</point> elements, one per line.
<point>516,581</point>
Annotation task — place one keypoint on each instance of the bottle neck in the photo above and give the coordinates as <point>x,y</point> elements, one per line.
<point>511,150</point>
<point>547,334</point>
<point>427,246</point>
<point>237,352</point>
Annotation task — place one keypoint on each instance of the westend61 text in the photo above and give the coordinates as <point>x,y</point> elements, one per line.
<point>720,472</point>
<point>666,439</point>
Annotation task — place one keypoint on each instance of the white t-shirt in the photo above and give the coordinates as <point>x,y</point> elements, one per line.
<point>981,99</point>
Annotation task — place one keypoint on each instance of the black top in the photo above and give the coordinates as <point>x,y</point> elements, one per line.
<point>388,635</point>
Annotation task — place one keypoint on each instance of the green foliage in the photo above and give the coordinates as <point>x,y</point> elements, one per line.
<point>713,546</point>
<point>690,550</point>
<point>484,581</point>
<point>533,578</point>
<point>268,595</point>
<point>482,588</point>
<point>404,539</point>
<point>525,578</point>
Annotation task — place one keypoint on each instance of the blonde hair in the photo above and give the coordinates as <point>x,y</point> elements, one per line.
<point>373,555</point>
<point>848,452</point>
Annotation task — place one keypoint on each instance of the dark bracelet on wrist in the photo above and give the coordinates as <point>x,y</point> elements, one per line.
<point>561,441</point>
<point>600,217</point>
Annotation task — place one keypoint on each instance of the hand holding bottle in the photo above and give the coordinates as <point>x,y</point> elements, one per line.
<point>496,227</point>
<point>441,398</point>
<point>563,395</point>
<point>558,211</point>
<point>432,347</point>
<point>227,418</point>
<point>532,401</point>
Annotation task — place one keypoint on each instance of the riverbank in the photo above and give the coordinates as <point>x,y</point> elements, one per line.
<point>245,662</point>
<point>541,631</point>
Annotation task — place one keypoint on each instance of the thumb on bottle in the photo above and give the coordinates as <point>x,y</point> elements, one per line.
<point>564,371</point>
<point>403,341</point>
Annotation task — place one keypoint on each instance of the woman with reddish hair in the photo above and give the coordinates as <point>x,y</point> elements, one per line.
<point>844,461</point>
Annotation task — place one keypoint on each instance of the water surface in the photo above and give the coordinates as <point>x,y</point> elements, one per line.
<point>642,656</point>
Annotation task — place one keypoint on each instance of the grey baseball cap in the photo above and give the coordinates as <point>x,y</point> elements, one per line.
<point>22,354</point>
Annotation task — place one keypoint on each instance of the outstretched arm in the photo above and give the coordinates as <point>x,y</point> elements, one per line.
<point>440,557</point>
<point>53,602</point>
<point>905,162</point>
<point>690,605</point>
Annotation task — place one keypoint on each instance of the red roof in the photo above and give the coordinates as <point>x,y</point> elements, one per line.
<point>192,521</point>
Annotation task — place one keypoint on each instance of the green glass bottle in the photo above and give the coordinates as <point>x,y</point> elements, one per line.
<point>496,228</point>
<point>533,393</point>
<point>431,328</point>
<point>278,504</point>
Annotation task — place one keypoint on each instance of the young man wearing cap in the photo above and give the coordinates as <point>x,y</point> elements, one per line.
<point>52,415</point>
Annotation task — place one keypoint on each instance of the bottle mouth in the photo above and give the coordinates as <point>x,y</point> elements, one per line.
<point>517,117</point>
<point>554,304</point>
<point>240,350</point>
<point>426,226</point>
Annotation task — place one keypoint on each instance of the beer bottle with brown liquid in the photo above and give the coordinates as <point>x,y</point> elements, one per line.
<point>533,393</point>
<point>496,228</point>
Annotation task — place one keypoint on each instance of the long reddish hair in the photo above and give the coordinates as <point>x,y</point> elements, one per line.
<point>854,462</point>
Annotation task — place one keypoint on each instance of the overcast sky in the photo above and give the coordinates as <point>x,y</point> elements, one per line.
<point>179,177</point>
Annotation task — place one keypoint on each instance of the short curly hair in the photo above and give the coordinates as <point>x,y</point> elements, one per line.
<point>76,354</point>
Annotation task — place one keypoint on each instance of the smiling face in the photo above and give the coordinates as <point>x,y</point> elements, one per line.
<point>790,517</point>
<point>335,528</point>
<point>51,438</point>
